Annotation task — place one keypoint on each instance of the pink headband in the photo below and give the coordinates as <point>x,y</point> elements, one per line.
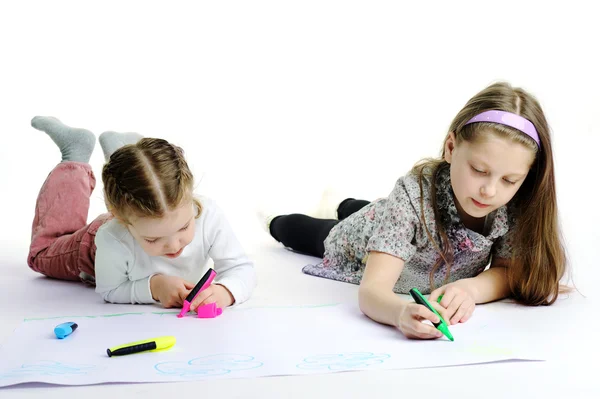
<point>508,119</point>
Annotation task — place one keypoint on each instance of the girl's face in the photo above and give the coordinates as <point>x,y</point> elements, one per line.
<point>167,236</point>
<point>487,174</point>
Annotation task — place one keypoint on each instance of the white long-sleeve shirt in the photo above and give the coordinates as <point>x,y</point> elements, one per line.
<point>123,269</point>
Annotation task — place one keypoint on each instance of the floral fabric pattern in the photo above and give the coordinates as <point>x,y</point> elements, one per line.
<point>393,225</point>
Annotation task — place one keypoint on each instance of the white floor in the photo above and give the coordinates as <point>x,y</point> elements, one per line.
<point>281,282</point>
<point>278,100</point>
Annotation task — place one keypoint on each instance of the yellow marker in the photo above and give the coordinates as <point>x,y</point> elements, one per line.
<point>147,345</point>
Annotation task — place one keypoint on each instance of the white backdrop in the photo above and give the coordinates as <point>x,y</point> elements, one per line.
<point>275,101</point>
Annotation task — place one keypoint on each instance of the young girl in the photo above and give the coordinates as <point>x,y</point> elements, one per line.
<point>490,195</point>
<point>154,244</point>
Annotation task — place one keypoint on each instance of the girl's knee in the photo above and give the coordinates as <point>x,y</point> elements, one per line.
<point>52,267</point>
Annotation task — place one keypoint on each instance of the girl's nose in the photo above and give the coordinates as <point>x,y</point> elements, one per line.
<point>488,190</point>
<point>172,245</point>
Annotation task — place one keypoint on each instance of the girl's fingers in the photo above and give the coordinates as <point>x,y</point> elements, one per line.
<point>171,303</point>
<point>462,310</point>
<point>452,308</point>
<point>441,310</point>
<point>200,298</point>
<point>421,312</point>
<point>424,331</point>
<point>446,299</point>
<point>210,299</point>
<point>468,314</point>
<point>183,293</point>
<point>435,294</point>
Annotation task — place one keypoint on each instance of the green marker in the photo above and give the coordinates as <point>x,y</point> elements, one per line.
<point>441,325</point>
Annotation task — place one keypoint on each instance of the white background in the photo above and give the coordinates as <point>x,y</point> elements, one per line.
<point>275,101</point>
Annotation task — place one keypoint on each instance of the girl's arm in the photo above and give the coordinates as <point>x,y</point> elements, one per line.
<point>376,296</point>
<point>461,296</point>
<point>492,284</point>
<point>235,270</point>
<point>112,281</point>
<point>378,301</point>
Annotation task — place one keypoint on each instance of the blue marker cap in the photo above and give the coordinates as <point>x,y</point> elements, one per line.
<point>65,329</point>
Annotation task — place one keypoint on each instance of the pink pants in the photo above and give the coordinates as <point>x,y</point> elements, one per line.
<point>62,243</point>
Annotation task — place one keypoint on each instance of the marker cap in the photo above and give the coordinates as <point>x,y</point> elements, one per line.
<point>65,329</point>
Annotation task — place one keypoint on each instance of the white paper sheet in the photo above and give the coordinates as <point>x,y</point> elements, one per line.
<point>255,342</point>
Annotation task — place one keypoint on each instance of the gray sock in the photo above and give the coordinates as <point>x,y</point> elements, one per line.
<point>75,144</point>
<point>112,141</point>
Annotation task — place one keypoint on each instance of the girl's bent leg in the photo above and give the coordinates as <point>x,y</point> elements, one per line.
<point>350,205</point>
<point>302,233</point>
<point>61,241</point>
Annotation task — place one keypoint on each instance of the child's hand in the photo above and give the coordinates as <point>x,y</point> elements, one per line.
<point>458,303</point>
<point>216,293</point>
<point>170,291</point>
<point>410,322</point>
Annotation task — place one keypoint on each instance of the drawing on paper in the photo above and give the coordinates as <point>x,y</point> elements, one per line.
<point>343,361</point>
<point>48,368</point>
<point>208,365</point>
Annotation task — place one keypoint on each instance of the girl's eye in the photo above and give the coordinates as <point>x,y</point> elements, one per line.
<point>151,241</point>
<point>510,182</point>
<point>185,228</point>
<point>477,170</point>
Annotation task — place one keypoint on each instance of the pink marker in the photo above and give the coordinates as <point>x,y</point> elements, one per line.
<point>204,283</point>
<point>209,311</point>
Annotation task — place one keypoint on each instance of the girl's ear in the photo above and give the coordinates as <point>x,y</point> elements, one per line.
<point>449,147</point>
<point>119,218</point>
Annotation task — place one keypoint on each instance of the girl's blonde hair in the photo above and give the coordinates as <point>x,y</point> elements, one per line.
<point>538,262</point>
<point>147,179</point>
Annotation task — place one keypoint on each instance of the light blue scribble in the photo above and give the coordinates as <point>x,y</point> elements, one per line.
<point>208,365</point>
<point>343,361</point>
<point>47,368</point>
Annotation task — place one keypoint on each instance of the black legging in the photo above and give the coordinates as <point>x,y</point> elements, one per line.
<point>306,234</point>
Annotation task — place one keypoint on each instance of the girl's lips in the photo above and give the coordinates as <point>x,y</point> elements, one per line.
<point>479,204</point>
<point>176,254</point>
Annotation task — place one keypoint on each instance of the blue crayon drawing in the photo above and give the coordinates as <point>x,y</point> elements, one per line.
<point>48,368</point>
<point>208,365</point>
<point>343,361</point>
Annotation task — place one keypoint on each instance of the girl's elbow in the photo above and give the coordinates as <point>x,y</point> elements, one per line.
<point>106,297</point>
<point>363,298</point>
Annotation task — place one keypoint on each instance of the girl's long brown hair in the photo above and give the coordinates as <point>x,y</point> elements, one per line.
<point>147,179</point>
<point>538,262</point>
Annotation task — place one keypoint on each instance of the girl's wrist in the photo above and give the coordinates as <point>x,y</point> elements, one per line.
<point>472,288</point>
<point>229,299</point>
<point>400,309</point>
<point>154,281</point>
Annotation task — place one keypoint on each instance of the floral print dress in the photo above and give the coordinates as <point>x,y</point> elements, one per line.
<point>393,225</point>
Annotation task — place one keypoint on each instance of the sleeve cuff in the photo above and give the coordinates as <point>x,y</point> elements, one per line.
<point>236,287</point>
<point>378,244</point>
<point>145,294</point>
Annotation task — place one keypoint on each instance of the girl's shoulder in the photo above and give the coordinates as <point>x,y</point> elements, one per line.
<point>113,234</point>
<point>114,229</point>
<point>208,206</point>
<point>416,185</point>
<point>211,214</point>
<point>413,192</point>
